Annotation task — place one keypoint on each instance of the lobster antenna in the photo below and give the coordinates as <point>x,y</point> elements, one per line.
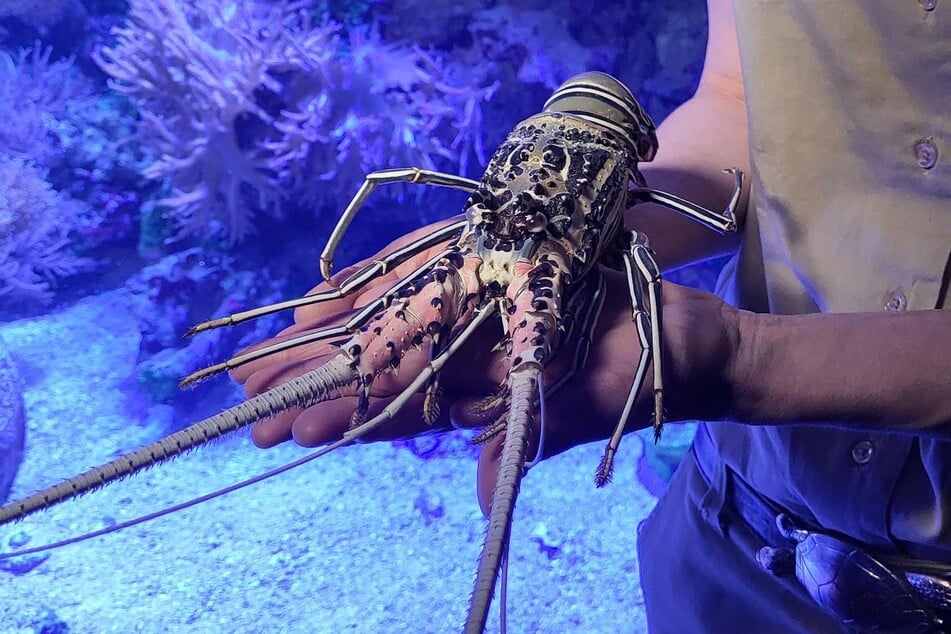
<point>182,505</point>
<point>349,437</point>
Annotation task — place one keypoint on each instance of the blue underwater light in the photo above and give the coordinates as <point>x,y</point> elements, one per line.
<point>168,162</point>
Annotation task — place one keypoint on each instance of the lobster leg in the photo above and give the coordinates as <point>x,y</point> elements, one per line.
<point>650,273</point>
<point>355,282</point>
<point>721,222</point>
<point>590,311</point>
<point>432,390</point>
<point>479,317</point>
<point>641,270</point>
<point>343,330</point>
<point>588,304</point>
<point>413,175</point>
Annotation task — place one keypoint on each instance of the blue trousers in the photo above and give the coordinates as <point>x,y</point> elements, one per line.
<point>696,581</point>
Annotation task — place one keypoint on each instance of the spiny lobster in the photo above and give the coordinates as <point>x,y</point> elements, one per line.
<point>547,213</point>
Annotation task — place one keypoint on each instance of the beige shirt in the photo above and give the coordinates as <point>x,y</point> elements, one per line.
<point>850,138</point>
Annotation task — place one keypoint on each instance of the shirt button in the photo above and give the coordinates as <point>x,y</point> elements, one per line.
<point>862,452</point>
<point>928,5</point>
<point>894,301</point>
<point>926,153</point>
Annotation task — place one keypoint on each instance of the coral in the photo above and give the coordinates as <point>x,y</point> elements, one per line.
<point>251,105</point>
<point>540,39</point>
<point>53,118</point>
<point>35,223</point>
<point>60,144</point>
<point>197,72</point>
<point>37,100</point>
<point>347,12</point>
<point>177,291</point>
<point>386,106</point>
<point>101,166</point>
<point>422,109</point>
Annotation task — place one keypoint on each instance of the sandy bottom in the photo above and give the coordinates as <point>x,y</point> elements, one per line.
<point>369,539</point>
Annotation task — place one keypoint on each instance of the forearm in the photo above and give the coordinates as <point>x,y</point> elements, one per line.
<point>697,142</point>
<point>880,371</point>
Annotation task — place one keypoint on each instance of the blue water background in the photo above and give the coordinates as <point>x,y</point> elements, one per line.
<point>163,162</point>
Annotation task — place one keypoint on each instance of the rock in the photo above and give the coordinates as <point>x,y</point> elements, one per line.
<point>23,564</point>
<point>12,422</point>
<point>49,623</point>
<point>430,505</point>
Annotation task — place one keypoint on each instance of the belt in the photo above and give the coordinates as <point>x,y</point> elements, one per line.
<point>866,591</point>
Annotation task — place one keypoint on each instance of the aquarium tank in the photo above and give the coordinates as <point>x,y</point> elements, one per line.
<point>167,162</point>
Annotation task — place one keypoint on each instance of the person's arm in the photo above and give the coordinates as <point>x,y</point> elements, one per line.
<point>699,139</point>
<point>880,371</point>
<point>871,371</point>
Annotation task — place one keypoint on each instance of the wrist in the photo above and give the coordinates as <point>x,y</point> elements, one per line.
<point>706,342</point>
<point>744,375</point>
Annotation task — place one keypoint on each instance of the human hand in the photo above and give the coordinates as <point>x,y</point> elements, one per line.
<point>700,339</point>
<point>327,421</point>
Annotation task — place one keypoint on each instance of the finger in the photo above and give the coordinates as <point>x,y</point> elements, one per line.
<point>325,308</point>
<point>329,421</point>
<point>324,423</point>
<point>275,430</point>
<point>470,412</point>
<point>574,415</point>
<point>470,409</point>
<point>264,373</point>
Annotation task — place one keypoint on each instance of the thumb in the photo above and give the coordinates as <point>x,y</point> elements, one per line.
<point>489,459</point>
<point>471,413</point>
